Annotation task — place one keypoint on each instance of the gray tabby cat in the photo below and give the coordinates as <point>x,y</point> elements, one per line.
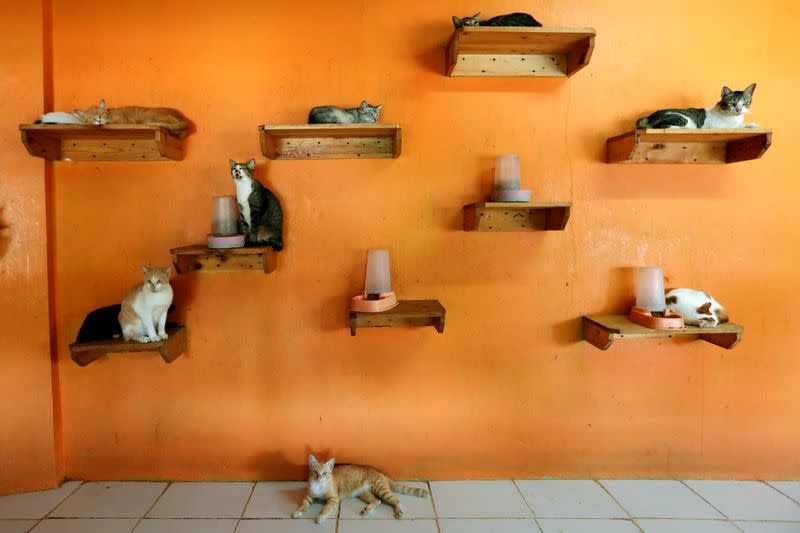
<point>512,19</point>
<point>728,113</point>
<point>260,214</point>
<point>330,114</point>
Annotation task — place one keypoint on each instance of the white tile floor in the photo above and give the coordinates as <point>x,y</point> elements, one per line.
<point>499,506</point>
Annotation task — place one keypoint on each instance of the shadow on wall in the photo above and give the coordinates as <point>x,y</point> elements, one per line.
<point>5,237</point>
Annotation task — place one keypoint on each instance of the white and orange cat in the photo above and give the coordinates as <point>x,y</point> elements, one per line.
<point>170,119</point>
<point>696,307</point>
<point>143,316</point>
<point>330,484</point>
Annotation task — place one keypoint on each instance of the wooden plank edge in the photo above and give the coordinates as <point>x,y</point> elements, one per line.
<point>748,149</point>
<point>723,340</point>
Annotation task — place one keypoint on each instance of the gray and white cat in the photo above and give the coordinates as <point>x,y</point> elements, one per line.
<point>696,307</point>
<point>330,114</point>
<point>512,19</point>
<point>260,214</point>
<point>728,113</point>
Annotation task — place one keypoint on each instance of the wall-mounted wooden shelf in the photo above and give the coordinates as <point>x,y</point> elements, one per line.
<point>87,352</point>
<point>200,257</point>
<point>405,313</point>
<point>679,145</point>
<point>330,141</point>
<point>504,51</point>
<point>82,142</point>
<point>516,216</point>
<point>603,330</point>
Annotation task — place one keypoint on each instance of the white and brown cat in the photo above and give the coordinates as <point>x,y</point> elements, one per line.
<point>696,307</point>
<point>330,484</point>
<point>170,119</point>
<point>143,316</point>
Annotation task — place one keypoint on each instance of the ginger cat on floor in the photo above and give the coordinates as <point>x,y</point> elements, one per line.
<point>330,484</point>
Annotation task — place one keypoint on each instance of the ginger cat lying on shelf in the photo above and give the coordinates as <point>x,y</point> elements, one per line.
<point>330,485</point>
<point>170,119</point>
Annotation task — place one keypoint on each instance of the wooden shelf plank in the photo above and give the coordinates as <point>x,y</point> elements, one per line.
<point>406,313</point>
<point>87,352</point>
<point>603,330</point>
<point>331,141</point>
<point>516,216</point>
<point>199,257</point>
<point>504,51</point>
<point>683,145</point>
<point>113,142</point>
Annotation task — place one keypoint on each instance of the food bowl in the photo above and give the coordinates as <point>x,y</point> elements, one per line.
<point>644,317</point>
<point>513,195</point>
<point>221,243</point>
<point>385,301</point>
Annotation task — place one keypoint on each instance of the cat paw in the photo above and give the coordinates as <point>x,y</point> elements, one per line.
<point>154,338</point>
<point>163,336</point>
<point>297,514</point>
<point>365,511</point>
<point>144,339</point>
<point>399,512</point>
<point>320,519</point>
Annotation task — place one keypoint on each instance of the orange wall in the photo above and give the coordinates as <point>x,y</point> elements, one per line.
<point>27,456</point>
<point>509,389</point>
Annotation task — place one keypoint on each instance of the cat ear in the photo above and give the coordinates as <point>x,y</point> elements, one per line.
<point>750,89</point>
<point>102,104</point>
<point>364,104</point>
<point>312,460</point>
<point>144,269</point>
<point>378,108</point>
<point>726,91</point>
<point>476,16</point>
<point>168,271</point>
<point>331,462</point>
<point>456,21</point>
<point>232,163</point>
<point>251,165</point>
<point>704,309</point>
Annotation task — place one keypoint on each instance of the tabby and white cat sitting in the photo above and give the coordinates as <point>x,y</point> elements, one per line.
<point>330,114</point>
<point>260,213</point>
<point>170,119</point>
<point>728,113</point>
<point>696,307</point>
<point>143,316</point>
<point>330,485</point>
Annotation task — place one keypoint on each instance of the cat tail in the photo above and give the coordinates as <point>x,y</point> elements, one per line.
<point>405,489</point>
<point>277,244</point>
<point>643,123</point>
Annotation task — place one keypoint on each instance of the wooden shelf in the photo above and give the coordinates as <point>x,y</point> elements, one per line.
<point>200,257</point>
<point>405,313</point>
<point>516,216</point>
<point>603,330</point>
<point>680,145</point>
<point>330,141</point>
<point>88,352</point>
<point>82,142</point>
<point>503,51</point>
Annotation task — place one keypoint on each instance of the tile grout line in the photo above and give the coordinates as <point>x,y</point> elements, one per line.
<point>168,485</point>
<point>433,505</point>
<point>533,513</point>
<point>62,500</point>
<point>727,518</point>
<point>769,485</point>
<point>635,523</point>
<point>244,509</point>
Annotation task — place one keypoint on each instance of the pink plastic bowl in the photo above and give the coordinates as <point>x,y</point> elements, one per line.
<point>360,303</point>
<point>221,243</point>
